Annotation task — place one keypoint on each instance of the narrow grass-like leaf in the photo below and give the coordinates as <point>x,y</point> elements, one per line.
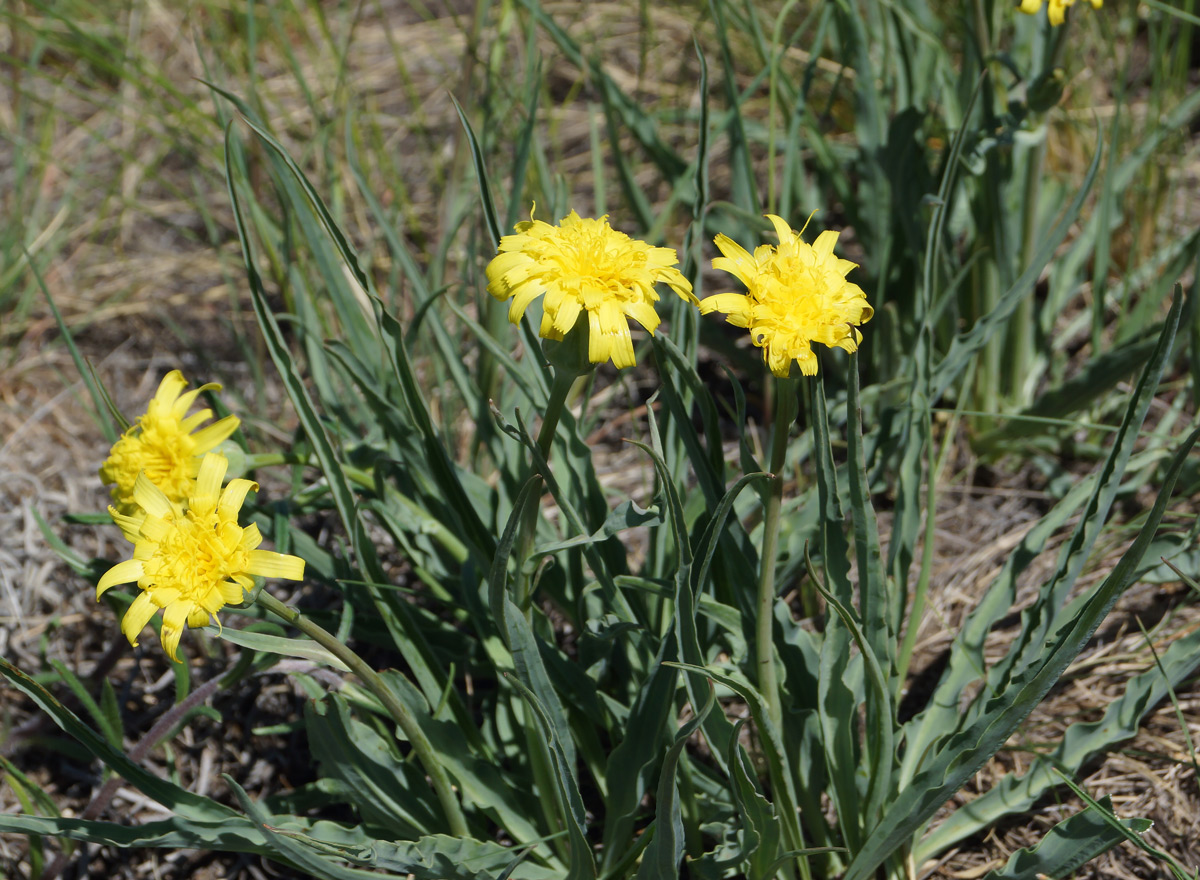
<point>1068,846</point>
<point>872,583</point>
<point>482,782</point>
<point>1042,618</point>
<point>183,803</point>
<point>772,745</point>
<point>967,343</point>
<point>964,753</point>
<point>305,649</point>
<point>386,790</point>
<point>662,856</point>
<point>100,399</point>
<point>836,701</point>
<point>1079,744</point>
<point>582,865</point>
<point>289,849</point>
<point>879,714</point>
<point>490,215</point>
<point>425,667</point>
<point>112,732</point>
<point>235,834</point>
<point>1131,834</point>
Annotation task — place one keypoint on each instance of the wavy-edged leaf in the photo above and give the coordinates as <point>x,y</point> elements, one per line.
<point>1068,846</point>
<point>964,753</point>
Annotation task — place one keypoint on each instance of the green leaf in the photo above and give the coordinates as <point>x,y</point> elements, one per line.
<point>967,343</point>
<point>626,515</point>
<point>1080,743</point>
<point>112,732</point>
<point>304,649</point>
<point>582,864</point>
<point>964,753</point>
<point>762,832</point>
<point>183,803</point>
<point>387,790</point>
<point>482,782</point>
<point>1068,846</point>
<point>230,835</point>
<point>661,858</point>
<point>1039,620</point>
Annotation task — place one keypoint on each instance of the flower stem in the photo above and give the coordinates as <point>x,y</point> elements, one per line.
<point>527,530</point>
<point>397,710</point>
<point>768,682</point>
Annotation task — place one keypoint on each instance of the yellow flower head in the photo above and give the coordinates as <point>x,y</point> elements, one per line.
<point>585,265</point>
<point>1057,11</point>
<point>797,294</point>
<point>191,559</point>
<point>161,444</point>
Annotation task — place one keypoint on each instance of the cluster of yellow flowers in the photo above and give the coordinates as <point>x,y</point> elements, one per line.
<point>796,293</point>
<point>190,555</point>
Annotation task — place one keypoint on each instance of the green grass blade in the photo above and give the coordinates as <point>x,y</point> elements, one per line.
<point>1043,618</point>
<point>964,753</point>
<point>1068,846</point>
<point>662,856</point>
<point>183,803</point>
<point>969,342</point>
<point>1081,742</point>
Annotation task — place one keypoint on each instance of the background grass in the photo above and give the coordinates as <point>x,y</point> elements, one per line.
<point>113,156</point>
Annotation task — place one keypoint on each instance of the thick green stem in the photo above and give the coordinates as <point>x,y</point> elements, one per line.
<point>539,756</point>
<point>397,710</point>
<point>785,409</point>
<point>527,530</point>
<point>768,682</point>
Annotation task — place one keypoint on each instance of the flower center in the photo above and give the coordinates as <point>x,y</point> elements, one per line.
<point>196,554</point>
<point>598,262</point>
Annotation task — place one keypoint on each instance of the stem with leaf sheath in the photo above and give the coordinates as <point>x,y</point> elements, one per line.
<point>768,682</point>
<point>561,387</point>
<point>539,755</point>
<point>396,709</point>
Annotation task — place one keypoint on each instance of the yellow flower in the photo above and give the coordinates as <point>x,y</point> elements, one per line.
<point>585,265</point>
<point>191,560</point>
<point>1057,11</point>
<point>162,444</point>
<point>797,294</point>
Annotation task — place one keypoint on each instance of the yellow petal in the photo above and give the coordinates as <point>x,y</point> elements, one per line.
<point>138,615</point>
<point>737,261</point>
<point>566,314</point>
<point>823,246</point>
<point>151,498</point>
<point>233,496</point>
<point>126,572</point>
<point>268,563</point>
<point>737,306</point>
<point>250,537</point>
<point>175,616</point>
<point>782,229</point>
<point>644,314</point>
<point>231,593</point>
<point>170,387</point>
<point>522,297</point>
<point>198,617</point>
<point>212,436</point>
<point>130,526</point>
